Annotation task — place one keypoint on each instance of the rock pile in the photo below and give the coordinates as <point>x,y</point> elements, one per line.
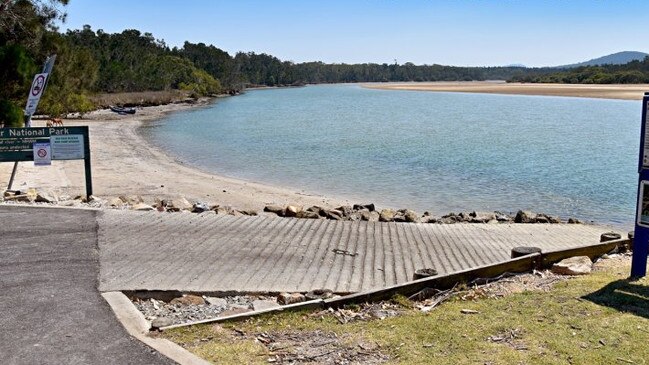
<point>356,212</point>
<point>368,212</point>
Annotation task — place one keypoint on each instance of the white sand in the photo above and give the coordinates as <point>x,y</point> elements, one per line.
<point>604,91</point>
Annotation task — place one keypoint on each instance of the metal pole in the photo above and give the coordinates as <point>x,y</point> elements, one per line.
<point>13,174</point>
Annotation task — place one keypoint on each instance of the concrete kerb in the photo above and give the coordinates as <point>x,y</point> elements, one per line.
<point>517,265</point>
<point>137,326</point>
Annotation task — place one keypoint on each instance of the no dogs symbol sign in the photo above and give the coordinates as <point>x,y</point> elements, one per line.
<point>42,154</point>
<point>38,85</point>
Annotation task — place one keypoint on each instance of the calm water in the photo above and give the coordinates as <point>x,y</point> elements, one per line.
<point>440,152</point>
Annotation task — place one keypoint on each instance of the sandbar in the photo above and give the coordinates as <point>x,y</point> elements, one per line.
<point>608,91</point>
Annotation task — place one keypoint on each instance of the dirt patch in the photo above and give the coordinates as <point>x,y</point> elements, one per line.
<point>363,312</point>
<point>321,347</point>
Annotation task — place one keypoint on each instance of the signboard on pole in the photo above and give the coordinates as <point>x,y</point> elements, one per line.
<point>641,235</point>
<point>35,93</point>
<point>42,154</point>
<point>67,147</point>
<point>44,144</point>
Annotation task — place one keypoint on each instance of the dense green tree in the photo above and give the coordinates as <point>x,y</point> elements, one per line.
<point>24,29</point>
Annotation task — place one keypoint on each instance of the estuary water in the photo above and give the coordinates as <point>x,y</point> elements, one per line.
<point>435,151</point>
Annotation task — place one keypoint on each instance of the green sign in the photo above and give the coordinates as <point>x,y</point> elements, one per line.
<point>66,143</point>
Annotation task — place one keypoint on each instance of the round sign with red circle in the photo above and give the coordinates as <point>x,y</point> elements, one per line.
<point>42,152</point>
<point>38,85</point>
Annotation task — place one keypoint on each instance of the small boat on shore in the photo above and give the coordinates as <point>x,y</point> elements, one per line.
<point>122,111</point>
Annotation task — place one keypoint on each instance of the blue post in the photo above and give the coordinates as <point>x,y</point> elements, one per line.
<point>641,236</point>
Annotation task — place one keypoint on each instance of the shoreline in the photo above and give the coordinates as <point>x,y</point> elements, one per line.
<point>597,91</point>
<point>124,163</point>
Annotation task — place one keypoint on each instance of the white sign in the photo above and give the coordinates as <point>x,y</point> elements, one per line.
<point>42,154</point>
<point>67,147</point>
<point>35,93</point>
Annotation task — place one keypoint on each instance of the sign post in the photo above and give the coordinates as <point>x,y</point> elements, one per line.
<point>641,235</point>
<point>42,145</point>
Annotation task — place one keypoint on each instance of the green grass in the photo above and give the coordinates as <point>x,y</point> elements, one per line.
<point>596,319</point>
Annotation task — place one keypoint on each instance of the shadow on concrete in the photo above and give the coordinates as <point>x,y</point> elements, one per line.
<point>623,295</point>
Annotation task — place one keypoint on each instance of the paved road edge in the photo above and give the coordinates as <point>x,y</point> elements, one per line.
<point>138,327</point>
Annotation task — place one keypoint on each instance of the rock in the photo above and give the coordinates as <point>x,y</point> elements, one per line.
<point>609,236</point>
<point>291,210</point>
<point>274,209</point>
<point>503,217</point>
<point>319,210</point>
<point>116,203</point>
<point>290,298</point>
<point>387,215</point>
<point>524,217</point>
<point>200,207</point>
<point>451,218</point>
<point>554,220</point>
<point>131,200</point>
<point>142,207</point>
<point>259,305</point>
<point>222,210</point>
<point>319,294</point>
<point>482,217</point>
<point>578,265</point>
<point>424,273</point>
<point>180,204</point>
<point>335,214</point>
<point>428,219</point>
<point>46,198</point>
<point>161,322</point>
<point>217,302</point>
<point>345,211</point>
<point>411,216</point>
<point>19,198</point>
<point>188,299</point>
<point>308,214</point>
<point>541,218</point>
<point>399,216</point>
<point>574,221</point>
<point>249,212</point>
<point>369,207</point>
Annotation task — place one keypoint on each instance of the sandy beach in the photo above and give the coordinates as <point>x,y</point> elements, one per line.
<point>624,92</point>
<point>125,164</point>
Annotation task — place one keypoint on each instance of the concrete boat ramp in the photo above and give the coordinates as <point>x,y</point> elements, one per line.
<point>210,253</point>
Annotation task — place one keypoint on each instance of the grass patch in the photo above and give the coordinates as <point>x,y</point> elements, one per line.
<point>597,319</point>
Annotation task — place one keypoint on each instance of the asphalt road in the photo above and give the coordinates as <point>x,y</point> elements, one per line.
<point>50,309</point>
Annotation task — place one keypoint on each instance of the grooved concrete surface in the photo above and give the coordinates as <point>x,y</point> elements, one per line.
<point>190,252</point>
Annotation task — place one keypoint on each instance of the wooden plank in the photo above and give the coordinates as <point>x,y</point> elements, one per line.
<point>518,265</point>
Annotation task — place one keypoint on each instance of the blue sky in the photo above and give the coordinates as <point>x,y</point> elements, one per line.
<point>461,32</point>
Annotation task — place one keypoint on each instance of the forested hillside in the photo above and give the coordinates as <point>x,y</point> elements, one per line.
<point>634,72</point>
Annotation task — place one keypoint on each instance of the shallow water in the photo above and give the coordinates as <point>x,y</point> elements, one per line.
<point>440,152</point>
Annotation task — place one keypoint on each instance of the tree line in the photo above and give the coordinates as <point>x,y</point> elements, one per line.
<point>634,72</point>
<point>92,62</point>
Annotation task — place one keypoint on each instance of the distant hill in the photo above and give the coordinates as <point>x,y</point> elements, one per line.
<point>618,58</point>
